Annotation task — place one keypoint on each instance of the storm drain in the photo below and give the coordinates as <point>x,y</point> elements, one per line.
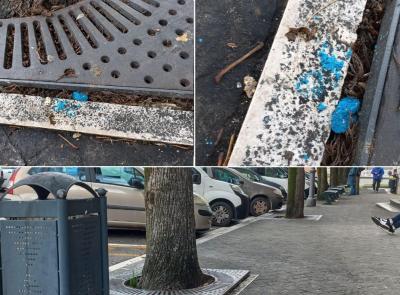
<point>141,46</point>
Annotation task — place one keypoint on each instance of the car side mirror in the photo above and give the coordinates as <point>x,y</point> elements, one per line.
<point>196,178</point>
<point>136,183</point>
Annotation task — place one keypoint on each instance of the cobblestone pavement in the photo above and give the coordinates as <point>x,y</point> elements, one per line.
<point>342,253</point>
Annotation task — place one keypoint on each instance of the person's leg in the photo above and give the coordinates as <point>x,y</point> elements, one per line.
<point>395,221</point>
<point>378,185</point>
<point>374,184</point>
<point>386,224</point>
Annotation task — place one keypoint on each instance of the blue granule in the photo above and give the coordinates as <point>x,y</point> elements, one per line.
<point>80,96</point>
<point>344,114</point>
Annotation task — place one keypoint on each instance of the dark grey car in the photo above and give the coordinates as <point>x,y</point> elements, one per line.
<point>262,197</point>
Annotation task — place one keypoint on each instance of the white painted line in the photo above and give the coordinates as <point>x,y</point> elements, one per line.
<point>224,230</point>
<point>306,217</point>
<point>126,263</point>
<point>132,122</point>
<point>244,284</point>
<point>283,125</point>
<point>116,245</point>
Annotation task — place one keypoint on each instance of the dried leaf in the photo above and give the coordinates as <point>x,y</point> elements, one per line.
<point>183,38</point>
<point>302,31</point>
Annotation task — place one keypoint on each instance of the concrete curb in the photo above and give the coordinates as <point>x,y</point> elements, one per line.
<point>131,122</point>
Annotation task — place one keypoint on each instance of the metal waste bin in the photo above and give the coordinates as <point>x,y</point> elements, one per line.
<point>54,246</point>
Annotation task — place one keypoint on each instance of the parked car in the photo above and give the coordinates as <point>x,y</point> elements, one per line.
<point>280,176</point>
<point>5,174</point>
<point>227,201</point>
<point>254,176</point>
<point>262,197</point>
<point>125,197</point>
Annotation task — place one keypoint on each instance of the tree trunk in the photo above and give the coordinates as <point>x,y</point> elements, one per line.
<point>322,181</point>
<point>343,175</point>
<point>20,8</point>
<point>295,208</point>
<point>334,177</point>
<point>171,254</point>
<point>292,172</point>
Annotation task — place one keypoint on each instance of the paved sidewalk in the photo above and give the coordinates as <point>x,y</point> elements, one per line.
<point>342,253</point>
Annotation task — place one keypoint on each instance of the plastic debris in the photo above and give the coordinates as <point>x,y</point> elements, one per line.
<point>239,85</point>
<point>344,114</point>
<point>80,96</point>
<point>321,107</point>
<point>306,157</point>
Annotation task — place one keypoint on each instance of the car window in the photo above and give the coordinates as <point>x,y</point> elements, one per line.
<point>78,173</point>
<point>225,175</point>
<point>123,176</point>
<point>249,174</point>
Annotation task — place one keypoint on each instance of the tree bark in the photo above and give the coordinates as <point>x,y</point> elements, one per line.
<point>295,208</point>
<point>343,175</point>
<point>171,254</point>
<point>334,177</point>
<point>322,181</point>
<point>20,8</point>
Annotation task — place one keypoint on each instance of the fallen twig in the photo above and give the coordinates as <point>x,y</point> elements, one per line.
<point>230,149</point>
<point>219,136</point>
<point>228,68</point>
<point>220,159</point>
<point>69,143</point>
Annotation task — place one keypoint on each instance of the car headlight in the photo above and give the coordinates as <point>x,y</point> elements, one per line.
<point>237,189</point>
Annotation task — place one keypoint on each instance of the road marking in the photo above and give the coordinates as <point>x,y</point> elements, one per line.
<point>132,246</point>
<point>127,263</point>
<point>239,289</point>
<point>224,230</point>
<point>126,255</point>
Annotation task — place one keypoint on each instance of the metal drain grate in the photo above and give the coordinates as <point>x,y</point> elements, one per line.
<point>130,45</point>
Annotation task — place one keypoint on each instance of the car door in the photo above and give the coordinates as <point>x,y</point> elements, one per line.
<point>125,203</point>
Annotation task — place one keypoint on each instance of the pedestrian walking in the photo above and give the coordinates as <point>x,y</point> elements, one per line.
<point>396,176</point>
<point>390,224</point>
<point>352,181</point>
<point>377,174</point>
<point>392,183</point>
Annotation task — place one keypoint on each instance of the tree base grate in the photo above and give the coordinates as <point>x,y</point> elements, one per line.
<point>225,281</point>
<point>140,46</point>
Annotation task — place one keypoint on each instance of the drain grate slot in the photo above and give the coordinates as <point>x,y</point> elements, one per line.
<point>120,45</point>
<point>9,50</point>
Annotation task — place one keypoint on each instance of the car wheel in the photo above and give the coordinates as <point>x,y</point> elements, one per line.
<point>222,214</point>
<point>259,206</point>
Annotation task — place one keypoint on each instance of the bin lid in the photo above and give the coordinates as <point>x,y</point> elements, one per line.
<point>45,183</point>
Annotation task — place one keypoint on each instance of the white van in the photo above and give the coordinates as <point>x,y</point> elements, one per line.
<point>227,201</point>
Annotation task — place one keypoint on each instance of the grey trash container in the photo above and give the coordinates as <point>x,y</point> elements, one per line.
<point>54,246</point>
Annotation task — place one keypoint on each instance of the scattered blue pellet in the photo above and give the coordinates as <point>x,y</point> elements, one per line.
<point>60,106</point>
<point>306,157</point>
<point>344,114</point>
<point>321,107</point>
<point>80,96</point>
